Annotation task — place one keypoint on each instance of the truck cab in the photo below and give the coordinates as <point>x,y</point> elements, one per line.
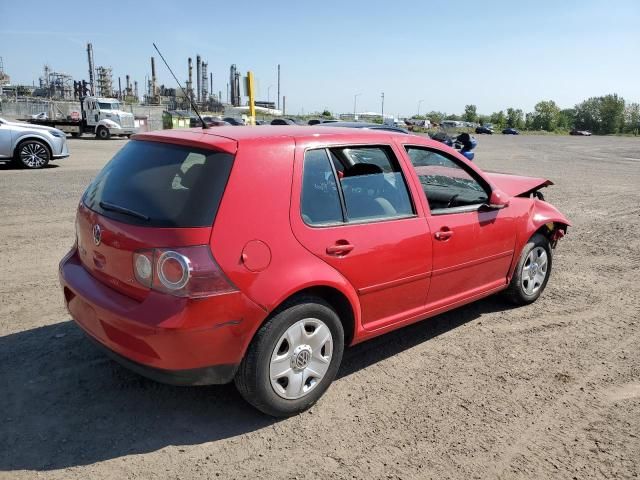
<point>104,117</point>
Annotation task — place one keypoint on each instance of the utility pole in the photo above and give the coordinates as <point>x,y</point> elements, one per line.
<point>355,102</point>
<point>419,106</point>
<point>382,109</point>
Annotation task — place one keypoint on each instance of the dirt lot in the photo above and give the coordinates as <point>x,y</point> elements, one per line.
<point>551,390</point>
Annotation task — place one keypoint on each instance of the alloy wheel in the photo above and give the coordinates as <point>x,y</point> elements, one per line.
<point>534,271</point>
<point>34,155</point>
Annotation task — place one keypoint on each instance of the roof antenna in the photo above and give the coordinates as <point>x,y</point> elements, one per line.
<point>204,125</point>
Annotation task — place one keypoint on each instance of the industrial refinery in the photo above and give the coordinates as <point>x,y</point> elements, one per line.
<point>56,85</point>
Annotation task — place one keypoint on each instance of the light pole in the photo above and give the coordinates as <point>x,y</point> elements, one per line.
<point>382,109</point>
<point>355,102</point>
<point>419,106</point>
<point>269,92</point>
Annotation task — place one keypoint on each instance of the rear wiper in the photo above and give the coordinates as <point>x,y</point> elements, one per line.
<point>124,210</point>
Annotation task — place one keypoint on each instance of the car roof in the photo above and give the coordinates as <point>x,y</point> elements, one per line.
<point>227,137</point>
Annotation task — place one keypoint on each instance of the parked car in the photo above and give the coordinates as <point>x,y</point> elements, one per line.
<point>484,129</point>
<point>191,269</point>
<point>583,133</point>
<point>282,121</point>
<point>368,126</point>
<point>31,146</point>
<point>510,131</point>
<point>234,121</point>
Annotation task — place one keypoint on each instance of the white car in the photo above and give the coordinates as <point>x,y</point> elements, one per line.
<point>31,146</point>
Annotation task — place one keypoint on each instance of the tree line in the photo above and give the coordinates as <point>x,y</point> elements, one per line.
<point>605,115</point>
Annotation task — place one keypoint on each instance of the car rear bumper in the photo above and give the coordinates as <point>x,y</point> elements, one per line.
<point>169,339</point>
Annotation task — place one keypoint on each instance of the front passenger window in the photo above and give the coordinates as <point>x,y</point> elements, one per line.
<point>445,183</point>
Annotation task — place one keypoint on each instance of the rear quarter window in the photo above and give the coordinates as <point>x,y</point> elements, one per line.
<point>165,185</point>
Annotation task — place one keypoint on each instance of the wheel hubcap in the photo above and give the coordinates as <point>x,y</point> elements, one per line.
<point>301,358</point>
<point>534,270</point>
<point>33,155</point>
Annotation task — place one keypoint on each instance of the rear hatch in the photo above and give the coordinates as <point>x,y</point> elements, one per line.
<point>150,195</point>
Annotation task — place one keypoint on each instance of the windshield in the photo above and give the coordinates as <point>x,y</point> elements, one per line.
<point>109,106</point>
<point>160,185</point>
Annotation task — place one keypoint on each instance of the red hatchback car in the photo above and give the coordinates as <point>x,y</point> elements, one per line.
<point>257,254</point>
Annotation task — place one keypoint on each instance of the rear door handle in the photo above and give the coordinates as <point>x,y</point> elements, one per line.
<point>342,247</point>
<point>444,234</point>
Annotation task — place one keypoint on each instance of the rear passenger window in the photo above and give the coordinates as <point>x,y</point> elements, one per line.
<point>320,199</point>
<point>372,186</point>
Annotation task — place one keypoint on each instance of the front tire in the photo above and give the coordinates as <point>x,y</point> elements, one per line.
<point>33,154</point>
<point>292,359</point>
<point>532,272</point>
<point>103,133</point>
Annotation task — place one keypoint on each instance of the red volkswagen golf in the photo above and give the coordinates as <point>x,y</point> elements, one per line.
<point>256,255</point>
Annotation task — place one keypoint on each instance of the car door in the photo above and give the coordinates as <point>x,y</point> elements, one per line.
<point>472,243</point>
<point>5,140</point>
<point>352,208</point>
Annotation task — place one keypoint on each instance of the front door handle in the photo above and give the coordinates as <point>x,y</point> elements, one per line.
<point>444,234</point>
<point>341,247</point>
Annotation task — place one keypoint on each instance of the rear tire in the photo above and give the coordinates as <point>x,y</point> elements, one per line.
<point>532,272</point>
<point>32,154</point>
<point>103,133</point>
<point>292,359</point>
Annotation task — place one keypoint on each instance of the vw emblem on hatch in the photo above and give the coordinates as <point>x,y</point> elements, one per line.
<point>97,234</point>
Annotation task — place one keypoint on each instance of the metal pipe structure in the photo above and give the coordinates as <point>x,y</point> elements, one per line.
<point>278,86</point>
<point>204,89</point>
<point>198,78</point>
<point>119,89</point>
<point>127,91</point>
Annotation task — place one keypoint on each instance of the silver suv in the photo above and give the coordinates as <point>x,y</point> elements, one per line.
<point>31,146</point>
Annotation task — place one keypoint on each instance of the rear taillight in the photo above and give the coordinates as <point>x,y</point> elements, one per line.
<point>183,272</point>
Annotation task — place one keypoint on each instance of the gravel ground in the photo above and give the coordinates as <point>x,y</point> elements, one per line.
<point>551,390</point>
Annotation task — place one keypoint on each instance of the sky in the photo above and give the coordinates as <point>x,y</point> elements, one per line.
<point>422,54</point>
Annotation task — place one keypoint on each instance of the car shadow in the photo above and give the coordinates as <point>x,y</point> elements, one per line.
<point>13,166</point>
<point>65,404</point>
<point>89,136</point>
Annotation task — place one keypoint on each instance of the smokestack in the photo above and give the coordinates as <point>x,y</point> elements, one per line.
<point>198,78</point>
<point>135,89</point>
<point>91,67</point>
<point>127,91</point>
<point>284,103</point>
<point>190,81</point>
<point>278,86</point>
<point>119,89</point>
<point>153,77</point>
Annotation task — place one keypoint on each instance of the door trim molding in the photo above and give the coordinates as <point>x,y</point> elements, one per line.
<point>471,263</point>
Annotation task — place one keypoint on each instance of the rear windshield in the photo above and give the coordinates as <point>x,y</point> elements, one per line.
<point>160,185</point>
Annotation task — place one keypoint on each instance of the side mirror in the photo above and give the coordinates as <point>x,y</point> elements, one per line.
<point>498,199</point>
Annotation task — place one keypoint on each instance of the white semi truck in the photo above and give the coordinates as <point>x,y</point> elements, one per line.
<point>99,116</point>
